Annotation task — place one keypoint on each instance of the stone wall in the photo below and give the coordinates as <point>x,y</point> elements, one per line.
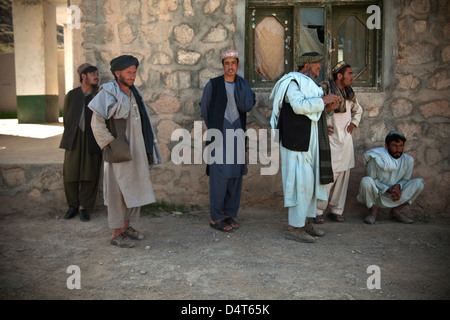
<point>179,42</point>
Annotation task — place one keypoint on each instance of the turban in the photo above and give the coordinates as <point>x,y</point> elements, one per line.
<point>229,54</point>
<point>309,57</point>
<point>339,66</point>
<point>123,62</point>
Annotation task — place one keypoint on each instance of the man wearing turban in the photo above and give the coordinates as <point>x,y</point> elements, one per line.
<point>122,128</point>
<point>298,105</point>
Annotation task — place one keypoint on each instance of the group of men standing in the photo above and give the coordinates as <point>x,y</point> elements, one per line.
<point>315,124</point>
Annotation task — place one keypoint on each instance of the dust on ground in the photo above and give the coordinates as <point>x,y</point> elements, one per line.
<point>183,258</point>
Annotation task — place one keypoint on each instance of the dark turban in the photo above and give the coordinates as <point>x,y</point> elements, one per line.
<point>123,62</point>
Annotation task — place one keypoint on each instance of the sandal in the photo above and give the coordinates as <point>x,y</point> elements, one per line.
<point>230,221</point>
<point>319,220</point>
<point>220,225</point>
<point>336,217</point>
<point>122,241</point>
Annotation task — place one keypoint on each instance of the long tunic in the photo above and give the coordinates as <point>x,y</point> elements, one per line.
<point>383,172</point>
<point>305,98</point>
<point>300,170</point>
<point>341,141</point>
<point>133,177</point>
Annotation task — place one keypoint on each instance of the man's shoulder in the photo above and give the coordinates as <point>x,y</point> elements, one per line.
<point>407,158</point>
<point>74,91</point>
<point>218,78</point>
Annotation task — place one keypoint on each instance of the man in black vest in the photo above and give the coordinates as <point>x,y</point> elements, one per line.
<point>298,113</point>
<point>83,157</point>
<point>224,106</point>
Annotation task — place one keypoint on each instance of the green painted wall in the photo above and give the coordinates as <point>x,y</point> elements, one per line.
<point>37,109</point>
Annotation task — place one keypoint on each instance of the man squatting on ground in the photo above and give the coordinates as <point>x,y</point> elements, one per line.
<point>341,124</point>
<point>82,155</point>
<point>388,182</point>
<point>224,106</point>
<point>122,128</point>
<point>298,112</point>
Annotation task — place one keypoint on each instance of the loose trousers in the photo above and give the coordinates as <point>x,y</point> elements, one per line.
<point>224,196</point>
<point>337,194</point>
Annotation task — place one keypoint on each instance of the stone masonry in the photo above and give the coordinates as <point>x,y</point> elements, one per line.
<point>178,43</point>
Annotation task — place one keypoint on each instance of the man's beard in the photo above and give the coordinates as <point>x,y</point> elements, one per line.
<point>122,81</point>
<point>395,155</point>
<point>310,74</point>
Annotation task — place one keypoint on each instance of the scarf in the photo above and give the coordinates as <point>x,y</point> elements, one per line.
<point>110,102</point>
<point>147,131</point>
<point>278,94</point>
<point>346,93</point>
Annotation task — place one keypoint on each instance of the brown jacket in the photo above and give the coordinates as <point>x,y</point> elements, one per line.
<point>73,104</point>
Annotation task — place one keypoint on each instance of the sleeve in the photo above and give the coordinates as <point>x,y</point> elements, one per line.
<point>310,107</point>
<point>66,107</point>
<point>244,95</point>
<point>357,112</point>
<point>206,100</point>
<point>101,133</point>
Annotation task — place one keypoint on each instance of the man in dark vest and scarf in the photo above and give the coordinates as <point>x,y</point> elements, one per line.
<point>82,156</point>
<point>122,128</point>
<point>224,106</point>
<point>298,113</point>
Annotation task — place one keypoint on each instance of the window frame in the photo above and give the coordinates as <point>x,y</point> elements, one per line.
<point>376,45</point>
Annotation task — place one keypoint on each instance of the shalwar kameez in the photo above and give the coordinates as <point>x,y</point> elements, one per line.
<point>300,170</point>
<point>383,172</point>
<point>126,185</point>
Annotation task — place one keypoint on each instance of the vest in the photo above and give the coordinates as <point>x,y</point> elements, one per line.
<point>216,110</point>
<point>295,129</point>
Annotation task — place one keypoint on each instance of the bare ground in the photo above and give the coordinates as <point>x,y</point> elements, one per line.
<point>188,260</point>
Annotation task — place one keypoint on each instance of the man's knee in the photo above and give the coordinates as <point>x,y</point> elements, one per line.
<point>367,183</point>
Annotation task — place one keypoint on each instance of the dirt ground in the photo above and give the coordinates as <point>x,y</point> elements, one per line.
<point>183,258</point>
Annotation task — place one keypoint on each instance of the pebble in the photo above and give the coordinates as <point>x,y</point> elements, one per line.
<point>143,271</point>
<point>147,247</point>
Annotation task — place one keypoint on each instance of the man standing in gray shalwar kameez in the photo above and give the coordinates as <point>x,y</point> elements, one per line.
<point>122,128</point>
<point>224,106</point>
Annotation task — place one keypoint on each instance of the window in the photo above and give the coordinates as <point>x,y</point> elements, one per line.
<point>277,35</point>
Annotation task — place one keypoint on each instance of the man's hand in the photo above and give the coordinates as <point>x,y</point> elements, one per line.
<point>330,130</point>
<point>331,106</point>
<point>332,98</point>
<point>350,128</point>
<point>395,192</point>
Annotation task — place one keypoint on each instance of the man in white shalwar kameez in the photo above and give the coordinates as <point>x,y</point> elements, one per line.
<point>126,183</point>
<point>388,183</point>
<point>300,169</point>
<point>341,124</point>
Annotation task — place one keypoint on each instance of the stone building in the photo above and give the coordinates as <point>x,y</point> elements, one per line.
<point>399,48</point>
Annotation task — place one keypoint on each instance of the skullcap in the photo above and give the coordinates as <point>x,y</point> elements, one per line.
<point>339,66</point>
<point>229,54</point>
